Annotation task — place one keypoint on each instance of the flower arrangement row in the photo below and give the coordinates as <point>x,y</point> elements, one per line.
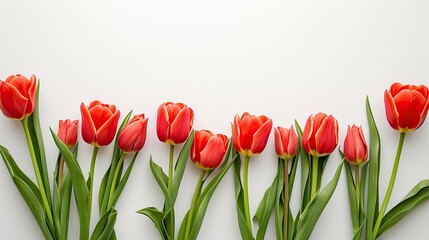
<point>49,200</point>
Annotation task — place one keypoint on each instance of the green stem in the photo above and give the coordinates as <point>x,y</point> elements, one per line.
<point>357,186</point>
<point>91,178</point>
<point>315,167</point>
<point>115,179</point>
<point>286,200</point>
<point>246,193</point>
<point>37,172</point>
<point>170,169</point>
<point>60,173</point>
<point>194,200</point>
<point>390,187</point>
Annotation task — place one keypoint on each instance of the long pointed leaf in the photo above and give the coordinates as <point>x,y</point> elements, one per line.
<point>305,172</point>
<point>79,186</point>
<point>374,171</point>
<point>156,216</point>
<point>123,181</point>
<point>104,227</point>
<point>160,178</point>
<point>312,212</point>
<point>179,169</point>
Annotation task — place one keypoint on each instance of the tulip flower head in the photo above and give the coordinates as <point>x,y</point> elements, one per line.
<point>99,123</point>
<point>133,135</point>
<point>67,132</point>
<point>18,96</point>
<point>286,142</point>
<point>406,106</point>
<point>320,135</point>
<point>355,147</point>
<point>174,122</point>
<point>208,149</point>
<point>250,134</point>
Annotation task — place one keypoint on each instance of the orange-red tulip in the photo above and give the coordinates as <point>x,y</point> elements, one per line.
<point>67,132</point>
<point>251,133</point>
<point>406,106</point>
<point>133,136</point>
<point>208,149</point>
<point>320,135</point>
<point>174,122</point>
<point>99,123</point>
<point>18,96</point>
<point>286,142</point>
<point>355,147</point>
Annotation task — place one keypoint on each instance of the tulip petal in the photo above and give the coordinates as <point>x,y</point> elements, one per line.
<point>31,93</point>
<point>212,154</point>
<point>236,133</point>
<point>260,137</point>
<point>141,139</point>
<point>88,128</point>
<point>327,136</point>
<point>410,105</point>
<point>278,141</point>
<point>181,126</point>
<point>308,142</point>
<point>12,103</point>
<point>392,114</point>
<point>162,124</point>
<point>100,114</point>
<point>107,131</point>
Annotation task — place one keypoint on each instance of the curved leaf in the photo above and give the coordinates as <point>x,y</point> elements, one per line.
<point>157,218</point>
<point>314,209</point>
<point>179,169</point>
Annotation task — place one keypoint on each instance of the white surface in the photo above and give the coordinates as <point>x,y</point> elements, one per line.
<point>284,59</point>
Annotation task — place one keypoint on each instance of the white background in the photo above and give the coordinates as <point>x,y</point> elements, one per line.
<point>284,59</point>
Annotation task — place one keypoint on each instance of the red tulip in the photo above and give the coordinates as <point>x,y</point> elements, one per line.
<point>286,142</point>
<point>208,149</point>
<point>320,135</point>
<point>67,132</point>
<point>251,133</point>
<point>174,122</point>
<point>99,123</point>
<point>406,106</point>
<point>18,96</point>
<point>355,147</point>
<point>133,136</point>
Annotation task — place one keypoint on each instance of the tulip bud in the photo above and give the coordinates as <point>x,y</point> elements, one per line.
<point>99,123</point>
<point>355,147</point>
<point>174,122</point>
<point>18,96</point>
<point>320,135</point>
<point>67,132</point>
<point>286,142</point>
<point>208,149</point>
<point>406,106</point>
<point>250,133</point>
<point>133,135</point>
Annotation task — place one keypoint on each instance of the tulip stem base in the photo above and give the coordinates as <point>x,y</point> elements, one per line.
<point>246,192</point>
<point>195,198</point>
<point>286,200</point>
<point>390,187</point>
<point>91,178</point>
<point>115,179</point>
<point>314,176</point>
<point>170,168</point>
<point>37,171</point>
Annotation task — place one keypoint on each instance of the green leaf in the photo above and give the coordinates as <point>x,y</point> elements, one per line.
<point>157,218</point>
<point>123,181</point>
<point>104,191</point>
<point>80,188</point>
<point>179,169</point>
<point>374,171</point>
<point>162,181</point>
<point>14,170</point>
<point>182,228</point>
<point>104,228</point>
<point>417,195</point>
<point>29,192</point>
<point>266,205</point>
<point>352,197</point>
<point>245,232</point>
<point>33,124</point>
<point>65,195</point>
<point>204,199</point>
<point>312,212</point>
<point>305,172</point>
